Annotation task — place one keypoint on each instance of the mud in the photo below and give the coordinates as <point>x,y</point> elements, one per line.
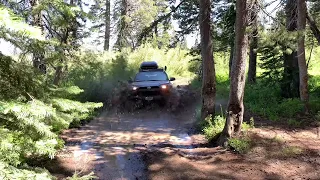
<point>114,145</point>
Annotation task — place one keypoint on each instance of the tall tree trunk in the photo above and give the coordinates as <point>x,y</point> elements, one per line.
<point>57,75</point>
<point>122,40</point>
<point>38,57</point>
<point>237,83</point>
<point>303,70</point>
<point>107,27</point>
<point>253,43</point>
<point>313,26</point>
<point>231,58</point>
<point>208,78</point>
<point>290,80</point>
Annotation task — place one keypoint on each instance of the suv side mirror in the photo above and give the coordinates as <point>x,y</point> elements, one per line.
<point>172,79</point>
<point>165,68</point>
<point>130,81</point>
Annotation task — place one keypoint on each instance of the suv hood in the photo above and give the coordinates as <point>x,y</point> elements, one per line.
<point>149,83</point>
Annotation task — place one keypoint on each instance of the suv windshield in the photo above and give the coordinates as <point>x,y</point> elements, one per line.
<point>151,76</point>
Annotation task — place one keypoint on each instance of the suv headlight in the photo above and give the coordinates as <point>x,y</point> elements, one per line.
<point>164,86</point>
<point>134,88</point>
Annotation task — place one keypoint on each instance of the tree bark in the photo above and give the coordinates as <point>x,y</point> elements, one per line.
<point>290,80</point>
<point>122,40</point>
<point>107,27</point>
<point>231,58</point>
<point>208,77</point>
<point>303,70</point>
<point>57,75</point>
<point>38,57</point>
<point>313,26</point>
<point>253,43</point>
<point>237,83</point>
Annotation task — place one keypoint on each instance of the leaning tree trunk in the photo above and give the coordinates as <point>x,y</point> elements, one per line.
<point>208,77</point>
<point>237,83</point>
<point>290,80</point>
<point>303,70</point>
<point>107,27</point>
<point>252,73</point>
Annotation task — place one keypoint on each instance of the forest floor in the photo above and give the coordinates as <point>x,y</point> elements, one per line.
<point>153,143</point>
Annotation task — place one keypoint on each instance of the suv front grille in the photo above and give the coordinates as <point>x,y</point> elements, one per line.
<point>151,88</point>
<point>149,93</point>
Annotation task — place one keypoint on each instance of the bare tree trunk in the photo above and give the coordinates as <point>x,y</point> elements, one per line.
<point>122,40</point>
<point>290,80</point>
<point>313,26</point>
<point>57,75</point>
<point>38,57</point>
<point>303,70</point>
<point>231,58</point>
<point>208,78</point>
<point>252,73</point>
<point>107,27</point>
<point>237,83</point>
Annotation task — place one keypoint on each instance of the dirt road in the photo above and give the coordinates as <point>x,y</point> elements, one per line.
<point>155,144</point>
<point>112,145</point>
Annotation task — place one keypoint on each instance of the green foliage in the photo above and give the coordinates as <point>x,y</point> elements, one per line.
<point>24,172</point>
<point>246,126</point>
<point>32,113</point>
<point>294,123</point>
<point>241,145</point>
<point>77,176</point>
<point>213,127</point>
<point>266,101</point>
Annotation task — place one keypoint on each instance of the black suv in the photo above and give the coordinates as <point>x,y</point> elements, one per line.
<point>150,83</point>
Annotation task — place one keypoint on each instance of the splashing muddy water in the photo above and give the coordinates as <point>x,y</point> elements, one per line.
<point>112,145</point>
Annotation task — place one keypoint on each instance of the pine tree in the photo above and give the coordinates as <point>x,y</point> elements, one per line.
<point>237,83</point>
<point>208,73</point>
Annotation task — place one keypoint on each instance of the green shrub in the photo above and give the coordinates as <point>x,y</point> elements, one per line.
<point>213,127</point>
<point>77,176</point>
<point>294,123</point>
<point>246,126</point>
<point>266,101</point>
<point>241,145</point>
<point>32,114</point>
<point>24,172</point>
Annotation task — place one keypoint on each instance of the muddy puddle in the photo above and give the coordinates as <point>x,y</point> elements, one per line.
<point>113,145</point>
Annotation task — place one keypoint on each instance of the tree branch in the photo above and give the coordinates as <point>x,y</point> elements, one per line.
<point>148,29</point>
<point>313,26</point>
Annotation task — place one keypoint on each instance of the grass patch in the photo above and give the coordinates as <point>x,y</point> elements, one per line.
<point>277,139</point>
<point>291,151</point>
<point>266,101</point>
<point>78,176</point>
<point>246,126</point>
<point>294,123</point>
<point>241,145</point>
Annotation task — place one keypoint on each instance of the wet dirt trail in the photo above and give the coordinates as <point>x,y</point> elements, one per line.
<point>112,145</point>
<point>155,144</point>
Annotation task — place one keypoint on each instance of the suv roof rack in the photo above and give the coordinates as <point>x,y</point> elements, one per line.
<point>150,70</point>
<point>149,65</point>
